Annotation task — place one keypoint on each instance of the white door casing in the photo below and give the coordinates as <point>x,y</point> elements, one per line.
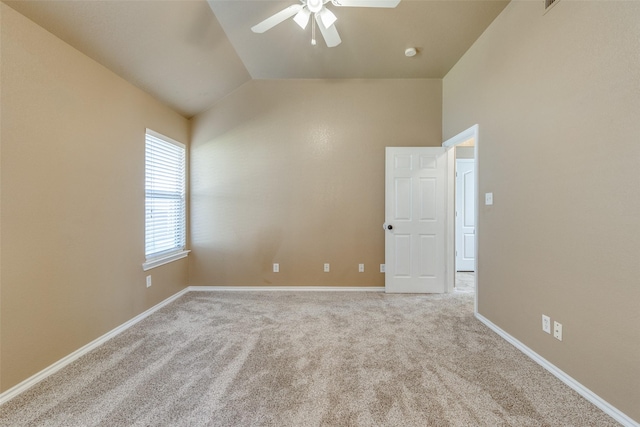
<point>465,215</point>
<point>415,219</point>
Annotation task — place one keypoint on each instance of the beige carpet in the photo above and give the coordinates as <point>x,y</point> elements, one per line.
<point>465,281</point>
<point>305,359</point>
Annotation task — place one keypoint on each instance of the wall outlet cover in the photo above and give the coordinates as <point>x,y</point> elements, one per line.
<point>557,331</point>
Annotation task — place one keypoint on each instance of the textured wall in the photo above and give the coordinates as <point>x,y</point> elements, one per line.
<point>72,197</point>
<point>557,100</point>
<point>292,172</point>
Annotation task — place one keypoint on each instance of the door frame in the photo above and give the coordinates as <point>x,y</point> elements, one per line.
<point>465,135</point>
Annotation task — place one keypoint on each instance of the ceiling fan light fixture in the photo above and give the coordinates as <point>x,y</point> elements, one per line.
<point>328,18</point>
<point>302,18</point>
<point>315,6</point>
<point>324,18</point>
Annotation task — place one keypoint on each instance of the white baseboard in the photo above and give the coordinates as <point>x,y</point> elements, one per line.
<point>606,407</point>
<point>34,379</point>
<point>289,288</point>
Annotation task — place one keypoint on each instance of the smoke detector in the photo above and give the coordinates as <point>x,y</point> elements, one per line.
<point>409,52</point>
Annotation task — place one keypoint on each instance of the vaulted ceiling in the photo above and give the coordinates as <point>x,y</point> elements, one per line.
<point>192,53</point>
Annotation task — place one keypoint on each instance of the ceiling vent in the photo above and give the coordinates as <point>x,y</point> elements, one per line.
<point>548,4</point>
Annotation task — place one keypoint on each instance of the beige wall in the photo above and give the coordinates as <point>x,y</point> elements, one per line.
<point>292,172</point>
<point>72,197</point>
<point>557,100</point>
<point>465,152</point>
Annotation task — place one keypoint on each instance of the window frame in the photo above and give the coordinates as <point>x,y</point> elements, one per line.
<point>158,258</point>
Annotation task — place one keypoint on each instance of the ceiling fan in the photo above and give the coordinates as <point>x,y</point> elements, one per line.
<point>321,15</point>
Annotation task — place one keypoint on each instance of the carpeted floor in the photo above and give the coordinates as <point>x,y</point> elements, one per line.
<point>305,359</point>
<point>465,281</point>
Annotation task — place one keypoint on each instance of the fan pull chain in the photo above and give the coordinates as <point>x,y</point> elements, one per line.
<point>313,31</point>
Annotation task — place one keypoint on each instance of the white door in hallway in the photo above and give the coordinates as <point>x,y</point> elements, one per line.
<point>465,215</point>
<point>415,219</point>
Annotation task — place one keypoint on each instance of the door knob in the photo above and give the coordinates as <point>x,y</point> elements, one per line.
<point>389,227</point>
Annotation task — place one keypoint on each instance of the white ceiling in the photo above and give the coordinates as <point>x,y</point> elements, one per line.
<point>189,58</point>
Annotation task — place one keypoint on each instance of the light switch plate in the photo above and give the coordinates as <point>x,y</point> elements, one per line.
<point>546,323</point>
<point>488,199</point>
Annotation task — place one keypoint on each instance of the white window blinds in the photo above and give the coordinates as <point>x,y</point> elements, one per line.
<point>165,205</point>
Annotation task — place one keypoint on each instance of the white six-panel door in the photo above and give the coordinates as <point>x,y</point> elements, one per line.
<point>465,215</point>
<point>415,219</point>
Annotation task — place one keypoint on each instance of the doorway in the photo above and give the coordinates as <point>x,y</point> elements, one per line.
<point>465,279</point>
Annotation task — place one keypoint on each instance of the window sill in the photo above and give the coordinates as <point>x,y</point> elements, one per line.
<point>157,262</point>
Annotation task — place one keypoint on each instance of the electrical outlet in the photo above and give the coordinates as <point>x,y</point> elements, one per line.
<point>148,281</point>
<point>557,330</point>
<point>326,268</point>
<point>382,268</point>
<point>361,268</point>
<point>276,268</point>
<point>546,324</point>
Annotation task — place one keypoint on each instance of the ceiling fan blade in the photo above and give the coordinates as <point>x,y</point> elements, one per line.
<point>331,36</point>
<point>328,18</point>
<point>366,3</point>
<point>274,20</point>
<point>302,18</point>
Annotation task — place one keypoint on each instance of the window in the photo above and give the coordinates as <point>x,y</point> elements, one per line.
<point>165,200</point>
